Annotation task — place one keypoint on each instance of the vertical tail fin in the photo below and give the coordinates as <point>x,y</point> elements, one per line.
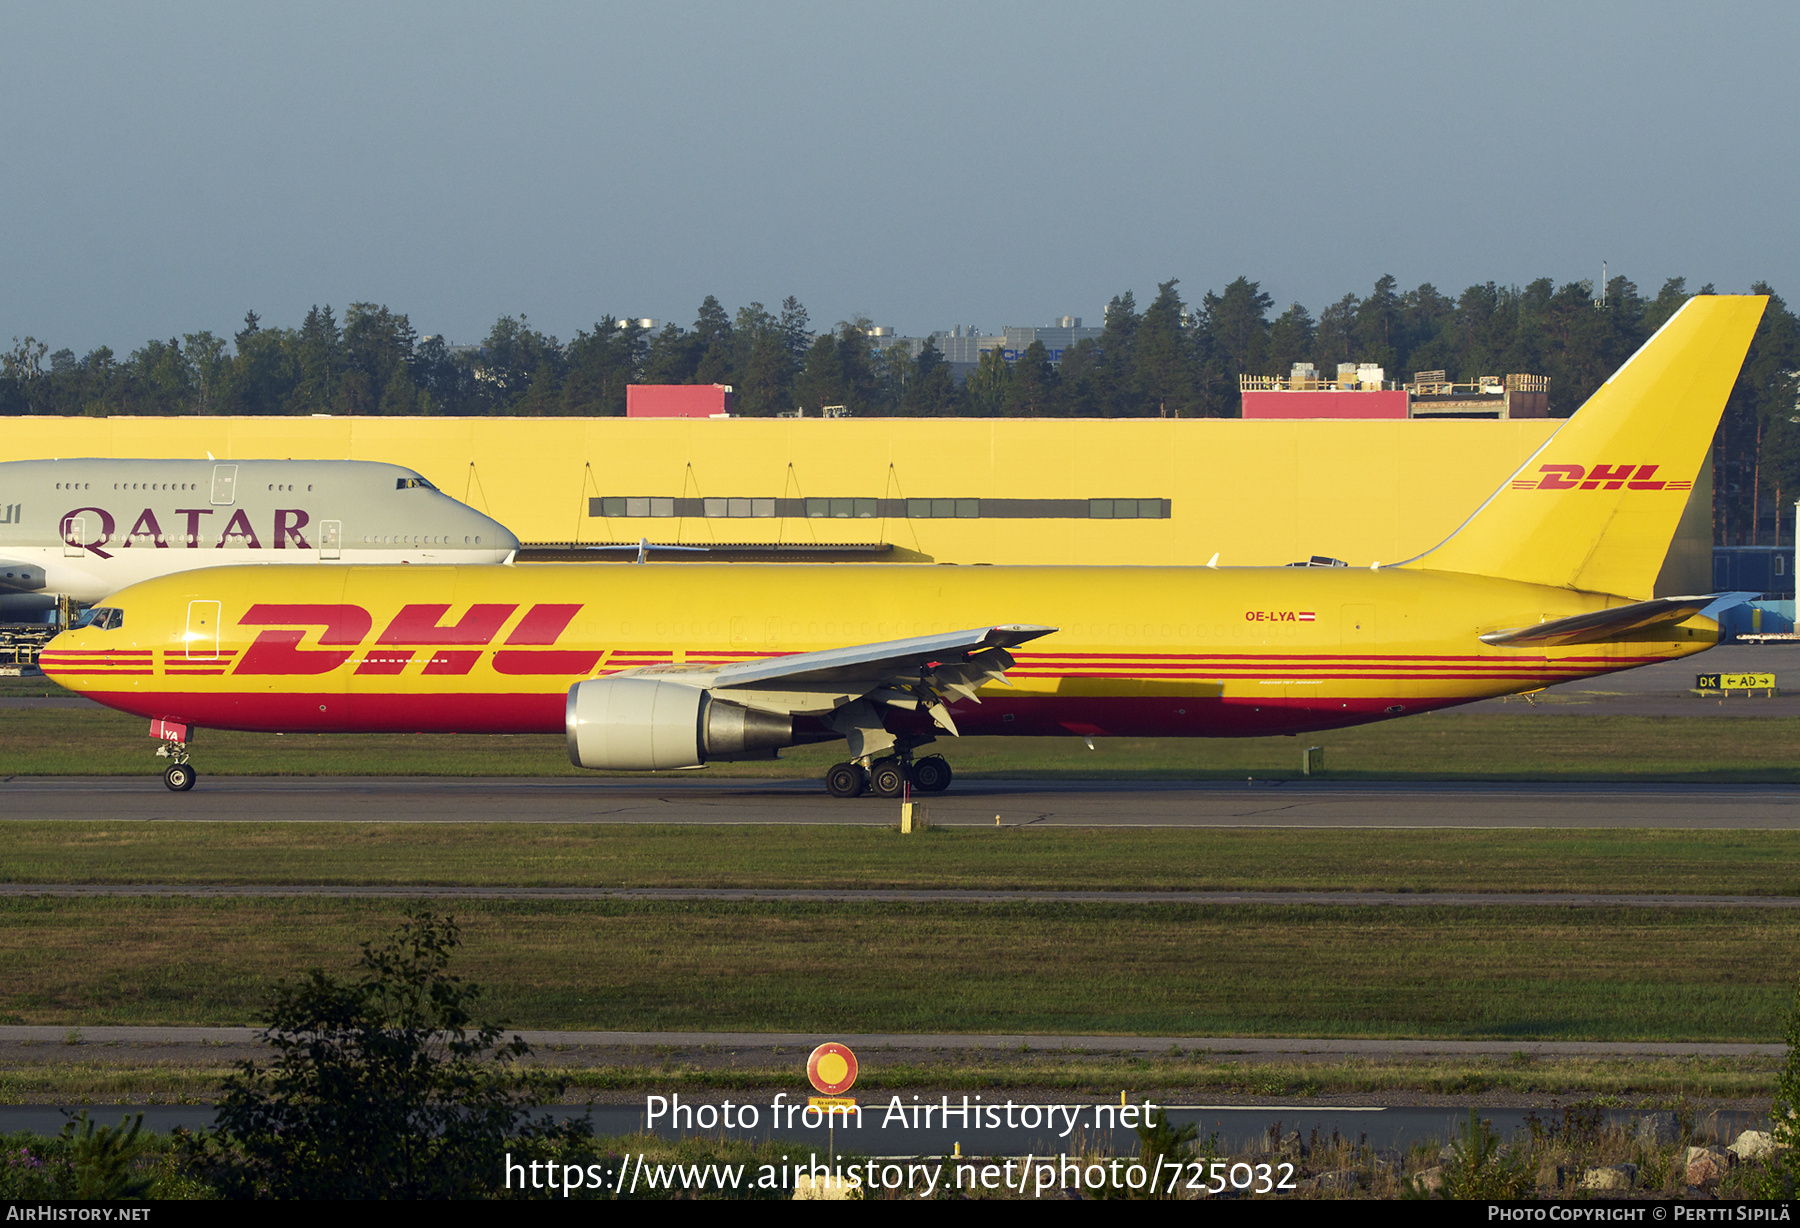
<point>1597,506</point>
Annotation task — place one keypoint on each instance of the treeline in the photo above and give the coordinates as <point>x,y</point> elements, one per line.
<point>1168,359</point>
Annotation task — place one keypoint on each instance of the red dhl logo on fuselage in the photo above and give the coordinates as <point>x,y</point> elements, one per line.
<point>453,648</point>
<point>1600,477</point>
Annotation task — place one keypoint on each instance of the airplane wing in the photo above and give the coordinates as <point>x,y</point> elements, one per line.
<point>876,662</point>
<point>1602,624</point>
<point>846,688</point>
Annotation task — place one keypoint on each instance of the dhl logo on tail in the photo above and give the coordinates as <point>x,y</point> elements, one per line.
<point>1600,477</point>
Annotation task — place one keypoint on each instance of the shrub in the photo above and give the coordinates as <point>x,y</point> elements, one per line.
<point>1778,1178</point>
<point>105,1158</point>
<point>382,1086</point>
<point>1480,1167</point>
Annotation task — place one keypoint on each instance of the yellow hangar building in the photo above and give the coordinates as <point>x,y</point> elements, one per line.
<point>910,490</point>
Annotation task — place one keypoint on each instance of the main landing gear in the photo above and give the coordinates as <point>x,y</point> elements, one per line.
<point>888,777</point>
<point>180,774</point>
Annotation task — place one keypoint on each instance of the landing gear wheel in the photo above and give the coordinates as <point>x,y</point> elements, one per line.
<point>845,780</point>
<point>179,777</point>
<point>931,774</point>
<point>887,778</point>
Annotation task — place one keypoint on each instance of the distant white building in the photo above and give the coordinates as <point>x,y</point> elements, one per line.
<point>963,346</point>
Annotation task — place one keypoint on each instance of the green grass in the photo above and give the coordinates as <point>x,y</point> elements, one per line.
<point>32,686</point>
<point>1509,973</point>
<point>1046,859</point>
<point>1445,746</point>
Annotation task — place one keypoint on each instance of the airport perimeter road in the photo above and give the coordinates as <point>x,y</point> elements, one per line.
<point>1294,804</point>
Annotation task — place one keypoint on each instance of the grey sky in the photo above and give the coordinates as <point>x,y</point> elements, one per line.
<point>170,166</point>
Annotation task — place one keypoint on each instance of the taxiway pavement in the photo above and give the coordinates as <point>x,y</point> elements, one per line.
<point>1245,804</point>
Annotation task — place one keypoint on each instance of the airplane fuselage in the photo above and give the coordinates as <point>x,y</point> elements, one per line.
<point>89,527</point>
<point>1137,652</point>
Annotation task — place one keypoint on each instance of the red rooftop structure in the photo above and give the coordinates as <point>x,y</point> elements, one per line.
<point>677,400</point>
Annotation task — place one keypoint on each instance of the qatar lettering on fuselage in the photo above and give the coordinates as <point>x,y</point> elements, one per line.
<point>146,530</point>
<point>86,528</point>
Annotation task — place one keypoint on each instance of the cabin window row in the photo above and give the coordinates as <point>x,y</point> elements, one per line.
<point>414,539</point>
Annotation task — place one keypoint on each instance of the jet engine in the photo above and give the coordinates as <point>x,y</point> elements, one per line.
<point>642,724</point>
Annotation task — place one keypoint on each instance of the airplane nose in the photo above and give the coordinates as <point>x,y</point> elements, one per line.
<point>504,536</point>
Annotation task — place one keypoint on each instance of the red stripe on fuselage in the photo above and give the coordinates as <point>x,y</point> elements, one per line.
<point>1133,716</point>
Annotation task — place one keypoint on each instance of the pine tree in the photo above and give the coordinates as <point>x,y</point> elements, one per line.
<point>1332,340</point>
<point>796,331</point>
<point>1290,340</point>
<point>821,380</point>
<point>1115,371</point>
<point>400,398</point>
<point>1032,390</point>
<point>932,391</point>
<point>1166,358</point>
<point>716,362</point>
<point>765,369</point>
<point>317,352</point>
<point>1377,331</point>
<point>988,386</point>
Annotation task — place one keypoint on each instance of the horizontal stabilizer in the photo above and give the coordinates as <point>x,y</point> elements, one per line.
<point>1602,624</point>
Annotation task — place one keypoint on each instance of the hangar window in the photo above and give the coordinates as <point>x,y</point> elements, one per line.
<point>634,507</point>
<point>843,509</point>
<point>736,509</point>
<point>943,509</point>
<point>1128,509</point>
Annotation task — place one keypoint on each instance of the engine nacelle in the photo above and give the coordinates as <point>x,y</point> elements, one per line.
<point>644,724</point>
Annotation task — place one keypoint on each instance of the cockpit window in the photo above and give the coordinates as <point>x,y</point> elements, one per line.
<point>409,483</point>
<point>100,618</point>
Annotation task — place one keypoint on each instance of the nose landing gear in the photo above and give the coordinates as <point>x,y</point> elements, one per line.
<point>180,774</point>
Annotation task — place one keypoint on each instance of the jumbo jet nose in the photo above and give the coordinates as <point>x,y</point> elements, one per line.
<point>505,541</point>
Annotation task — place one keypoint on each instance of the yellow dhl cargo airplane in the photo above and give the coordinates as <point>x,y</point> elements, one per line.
<point>670,666</point>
